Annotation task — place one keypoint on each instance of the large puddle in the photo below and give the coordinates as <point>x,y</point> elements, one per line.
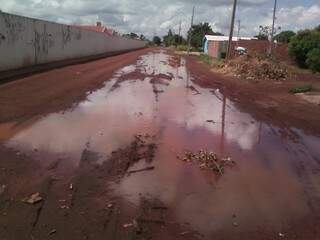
<point>276,180</point>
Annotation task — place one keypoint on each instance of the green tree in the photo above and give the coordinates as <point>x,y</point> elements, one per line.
<point>131,35</point>
<point>302,47</point>
<point>265,32</point>
<point>156,40</point>
<point>285,36</point>
<point>197,33</point>
<point>173,39</point>
<point>168,40</point>
<point>143,38</point>
<point>134,35</point>
<point>313,60</point>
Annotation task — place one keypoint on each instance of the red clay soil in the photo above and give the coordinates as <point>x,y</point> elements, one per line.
<point>58,89</point>
<point>266,100</point>
<point>261,47</point>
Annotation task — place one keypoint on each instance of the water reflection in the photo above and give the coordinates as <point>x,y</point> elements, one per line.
<point>101,119</point>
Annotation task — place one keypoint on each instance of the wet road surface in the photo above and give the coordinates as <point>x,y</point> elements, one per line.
<point>272,192</point>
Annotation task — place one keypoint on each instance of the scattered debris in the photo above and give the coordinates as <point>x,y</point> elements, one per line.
<point>207,160</point>
<point>2,189</point>
<point>159,207</point>
<point>159,81</point>
<point>141,148</point>
<point>54,165</point>
<point>147,220</point>
<point>136,225</point>
<point>156,90</point>
<point>257,67</point>
<point>192,88</point>
<point>141,170</point>
<point>281,235</point>
<point>53,231</point>
<point>210,121</point>
<point>138,114</point>
<point>127,225</point>
<point>33,199</point>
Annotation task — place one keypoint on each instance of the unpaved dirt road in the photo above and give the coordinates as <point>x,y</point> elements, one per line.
<point>147,110</point>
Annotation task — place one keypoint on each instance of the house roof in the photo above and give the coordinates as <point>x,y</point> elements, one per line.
<point>95,28</point>
<point>226,38</point>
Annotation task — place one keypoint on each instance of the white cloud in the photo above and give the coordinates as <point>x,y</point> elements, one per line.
<point>149,17</point>
<point>299,17</point>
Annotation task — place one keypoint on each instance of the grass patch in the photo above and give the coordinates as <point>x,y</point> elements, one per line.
<point>213,62</point>
<point>302,89</point>
<point>206,59</point>
<point>182,48</point>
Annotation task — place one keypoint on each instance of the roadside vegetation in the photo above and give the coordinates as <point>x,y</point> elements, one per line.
<point>285,36</point>
<point>198,31</point>
<point>305,48</point>
<point>302,89</point>
<point>206,59</point>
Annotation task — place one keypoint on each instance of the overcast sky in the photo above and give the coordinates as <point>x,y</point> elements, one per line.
<point>157,16</point>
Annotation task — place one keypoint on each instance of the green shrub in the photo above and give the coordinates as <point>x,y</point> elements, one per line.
<point>285,36</point>
<point>302,89</point>
<point>182,48</point>
<point>302,44</point>
<point>313,60</point>
<point>205,58</point>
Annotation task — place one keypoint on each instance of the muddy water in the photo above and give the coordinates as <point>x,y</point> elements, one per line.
<point>274,186</point>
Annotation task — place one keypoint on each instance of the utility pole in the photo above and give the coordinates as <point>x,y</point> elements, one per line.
<point>180,32</point>
<point>239,27</point>
<point>231,28</point>
<point>190,33</point>
<point>272,30</point>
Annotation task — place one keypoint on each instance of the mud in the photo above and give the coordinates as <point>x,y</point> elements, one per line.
<point>108,169</point>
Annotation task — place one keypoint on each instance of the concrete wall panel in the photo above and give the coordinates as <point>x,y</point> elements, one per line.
<point>26,42</point>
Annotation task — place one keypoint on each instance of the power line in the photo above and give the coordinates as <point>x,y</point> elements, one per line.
<point>273,23</point>
<point>239,27</point>
<point>180,32</point>
<point>232,28</point>
<point>190,33</point>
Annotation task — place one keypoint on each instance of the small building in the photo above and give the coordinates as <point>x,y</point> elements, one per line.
<point>97,28</point>
<point>217,46</point>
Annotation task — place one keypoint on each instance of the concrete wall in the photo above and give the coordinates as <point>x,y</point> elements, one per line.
<point>26,42</point>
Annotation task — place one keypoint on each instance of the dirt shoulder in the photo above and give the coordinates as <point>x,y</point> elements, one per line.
<point>58,89</point>
<point>266,100</point>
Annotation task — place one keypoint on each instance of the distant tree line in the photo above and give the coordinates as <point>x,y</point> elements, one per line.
<point>304,46</point>
<point>197,33</point>
<point>135,36</point>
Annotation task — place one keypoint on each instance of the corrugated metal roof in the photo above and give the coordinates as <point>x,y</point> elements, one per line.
<point>225,38</point>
